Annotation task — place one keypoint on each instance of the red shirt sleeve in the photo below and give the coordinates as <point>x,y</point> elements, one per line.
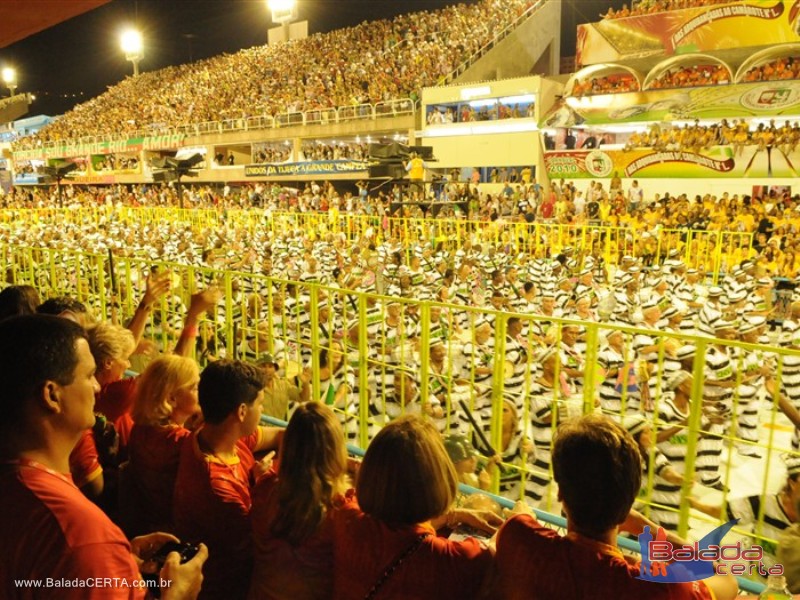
<point>116,398</point>
<point>109,567</point>
<point>84,463</point>
<point>52,531</point>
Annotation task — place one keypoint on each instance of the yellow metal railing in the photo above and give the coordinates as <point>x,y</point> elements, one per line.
<point>377,338</point>
<point>712,252</point>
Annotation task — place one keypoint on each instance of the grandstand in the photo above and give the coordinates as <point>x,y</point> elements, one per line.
<point>502,299</point>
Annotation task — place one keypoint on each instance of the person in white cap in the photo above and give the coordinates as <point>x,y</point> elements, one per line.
<point>587,286</point>
<point>779,510</point>
<point>720,381</point>
<point>477,357</point>
<point>664,476</point>
<point>648,349</point>
<point>754,366</point>
<point>689,291</point>
<point>620,389</point>
<point>712,311</point>
<point>759,301</point>
<point>673,413</point>
<point>548,395</point>
<point>789,384</point>
<point>627,298</point>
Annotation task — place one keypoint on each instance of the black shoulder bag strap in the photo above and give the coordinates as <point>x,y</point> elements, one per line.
<point>392,567</point>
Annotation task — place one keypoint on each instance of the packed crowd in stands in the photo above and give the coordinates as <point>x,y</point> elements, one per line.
<point>644,7</point>
<point>773,220</point>
<point>271,152</point>
<point>785,67</point>
<point>690,76</point>
<point>115,162</point>
<point>372,62</point>
<point>466,113</point>
<point>319,150</point>
<point>694,76</point>
<point>738,134</point>
<point>618,83</point>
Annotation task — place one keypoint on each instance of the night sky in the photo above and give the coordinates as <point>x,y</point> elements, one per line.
<point>76,60</point>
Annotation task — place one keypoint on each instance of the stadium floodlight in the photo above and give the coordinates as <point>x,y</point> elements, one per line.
<point>9,75</point>
<point>283,11</point>
<point>132,46</point>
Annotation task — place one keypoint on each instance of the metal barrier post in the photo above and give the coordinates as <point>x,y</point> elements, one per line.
<point>314,325</point>
<point>590,372</point>
<point>424,352</point>
<point>229,337</point>
<point>498,377</point>
<point>363,373</point>
<point>695,415</point>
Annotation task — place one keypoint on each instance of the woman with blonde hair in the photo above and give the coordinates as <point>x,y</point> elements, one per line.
<point>111,346</point>
<point>292,509</point>
<point>165,398</point>
<point>388,548</point>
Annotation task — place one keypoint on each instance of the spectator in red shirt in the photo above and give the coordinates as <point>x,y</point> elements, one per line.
<point>593,458</point>
<point>165,399</point>
<point>106,446</point>
<point>548,206</point>
<point>293,508</point>
<point>389,548</point>
<point>212,501</point>
<point>48,527</point>
<point>112,347</point>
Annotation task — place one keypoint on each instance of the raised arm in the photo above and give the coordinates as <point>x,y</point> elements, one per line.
<point>200,303</point>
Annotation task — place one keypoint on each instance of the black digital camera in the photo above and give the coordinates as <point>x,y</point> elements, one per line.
<point>185,550</point>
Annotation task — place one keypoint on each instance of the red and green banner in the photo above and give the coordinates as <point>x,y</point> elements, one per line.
<point>717,162</point>
<point>700,29</point>
<point>158,142</point>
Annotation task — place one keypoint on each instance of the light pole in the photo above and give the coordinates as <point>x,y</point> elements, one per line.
<point>10,78</point>
<point>131,42</point>
<point>283,12</point>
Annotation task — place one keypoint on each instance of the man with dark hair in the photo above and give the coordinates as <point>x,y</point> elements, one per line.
<point>217,469</point>
<point>598,468</point>
<point>50,530</point>
<point>66,307</point>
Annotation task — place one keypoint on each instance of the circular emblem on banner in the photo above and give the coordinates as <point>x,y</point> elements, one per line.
<point>598,163</point>
<point>770,97</point>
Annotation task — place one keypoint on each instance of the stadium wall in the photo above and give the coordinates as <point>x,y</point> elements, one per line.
<point>533,48</point>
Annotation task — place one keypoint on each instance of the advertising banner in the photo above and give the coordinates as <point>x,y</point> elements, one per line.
<point>754,23</point>
<point>312,167</point>
<point>643,163</point>
<point>159,142</point>
<point>758,99</point>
